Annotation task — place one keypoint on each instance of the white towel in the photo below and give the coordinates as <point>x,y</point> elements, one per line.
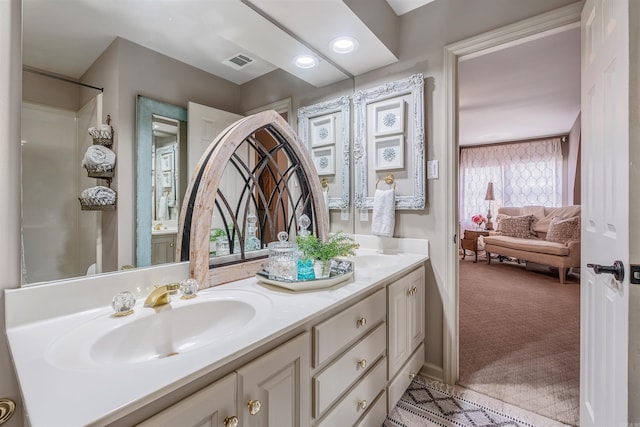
<point>98,155</point>
<point>104,194</point>
<point>383,218</point>
<point>103,131</point>
<point>325,195</point>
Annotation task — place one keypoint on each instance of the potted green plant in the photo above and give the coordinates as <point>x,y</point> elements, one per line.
<point>337,244</point>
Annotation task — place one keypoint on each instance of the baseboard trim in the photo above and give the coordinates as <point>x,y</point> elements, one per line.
<point>433,372</point>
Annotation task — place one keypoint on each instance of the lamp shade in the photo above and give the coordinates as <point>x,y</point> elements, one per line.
<point>489,194</point>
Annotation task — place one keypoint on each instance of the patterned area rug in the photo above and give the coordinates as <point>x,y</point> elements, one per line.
<point>428,403</point>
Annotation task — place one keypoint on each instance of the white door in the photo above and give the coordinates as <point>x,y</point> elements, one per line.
<point>605,214</point>
<point>204,125</point>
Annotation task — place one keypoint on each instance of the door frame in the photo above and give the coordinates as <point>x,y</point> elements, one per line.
<point>529,29</point>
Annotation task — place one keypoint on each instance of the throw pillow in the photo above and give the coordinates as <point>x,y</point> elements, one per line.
<point>562,230</point>
<point>499,219</point>
<point>518,226</point>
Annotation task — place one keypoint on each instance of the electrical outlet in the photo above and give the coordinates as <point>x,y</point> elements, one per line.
<point>432,169</point>
<point>344,214</point>
<point>364,215</point>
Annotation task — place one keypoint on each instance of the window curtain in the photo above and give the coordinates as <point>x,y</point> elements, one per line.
<point>523,174</point>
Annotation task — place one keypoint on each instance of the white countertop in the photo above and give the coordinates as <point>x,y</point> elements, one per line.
<point>72,393</point>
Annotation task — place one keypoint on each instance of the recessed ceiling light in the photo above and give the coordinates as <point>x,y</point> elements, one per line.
<point>305,61</point>
<point>344,44</point>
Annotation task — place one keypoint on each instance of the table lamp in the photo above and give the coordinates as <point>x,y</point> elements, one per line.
<point>489,196</point>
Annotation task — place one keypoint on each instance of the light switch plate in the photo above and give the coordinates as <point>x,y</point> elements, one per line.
<point>432,169</point>
<point>344,214</point>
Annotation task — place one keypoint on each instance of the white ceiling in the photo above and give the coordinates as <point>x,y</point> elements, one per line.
<point>523,91</point>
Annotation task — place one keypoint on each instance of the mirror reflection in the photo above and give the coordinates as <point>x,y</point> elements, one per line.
<point>110,241</point>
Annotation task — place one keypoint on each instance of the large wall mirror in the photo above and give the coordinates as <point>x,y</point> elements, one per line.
<point>151,176</point>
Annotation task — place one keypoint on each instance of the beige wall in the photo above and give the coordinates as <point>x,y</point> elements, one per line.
<point>10,101</point>
<point>573,165</point>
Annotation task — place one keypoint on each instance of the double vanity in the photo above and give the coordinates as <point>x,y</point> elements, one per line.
<point>243,353</point>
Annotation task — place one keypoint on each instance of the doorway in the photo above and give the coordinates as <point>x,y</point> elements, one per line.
<point>549,23</point>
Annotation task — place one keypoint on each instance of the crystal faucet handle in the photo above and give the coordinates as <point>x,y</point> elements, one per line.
<point>189,288</point>
<point>123,303</point>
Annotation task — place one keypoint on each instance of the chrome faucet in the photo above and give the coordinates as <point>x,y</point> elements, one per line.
<point>161,295</point>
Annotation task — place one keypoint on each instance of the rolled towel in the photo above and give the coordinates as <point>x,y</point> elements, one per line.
<point>101,194</point>
<point>383,218</point>
<point>98,155</point>
<point>103,131</point>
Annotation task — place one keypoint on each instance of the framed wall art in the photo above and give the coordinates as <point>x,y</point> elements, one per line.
<point>324,159</point>
<point>388,117</point>
<point>322,130</point>
<point>389,152</point>
<point>377,113</point>
<point>311,119</point>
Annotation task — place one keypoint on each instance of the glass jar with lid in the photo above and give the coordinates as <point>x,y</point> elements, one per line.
<point>283,259</point>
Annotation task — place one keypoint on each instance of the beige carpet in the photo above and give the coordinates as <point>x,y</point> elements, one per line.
<point>520,337</point>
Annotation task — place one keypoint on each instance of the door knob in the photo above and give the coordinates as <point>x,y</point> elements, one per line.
<point>617,269</point>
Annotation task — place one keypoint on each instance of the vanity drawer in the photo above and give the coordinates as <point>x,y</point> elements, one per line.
<point>340,330</point>
<point>356,402</point>
<point>401,382</point>
<point>377,412</point>
<point>337,377</point>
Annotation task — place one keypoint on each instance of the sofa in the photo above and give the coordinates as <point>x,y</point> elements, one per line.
<point>538,234</point>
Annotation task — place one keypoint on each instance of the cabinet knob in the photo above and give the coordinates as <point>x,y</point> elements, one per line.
<point>231,421</point>
<point>362,363</point>
<point>412,376</point>
<point>362,404</point>
<point>171,244</point>
<point>361,321</point>
<point>254,406</point>
<point>412,291</point>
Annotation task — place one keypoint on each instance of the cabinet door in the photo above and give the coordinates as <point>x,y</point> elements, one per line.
<point>209,407</point>
<point>275,389</point>
<point>406,318</point>
<point>163,249</point>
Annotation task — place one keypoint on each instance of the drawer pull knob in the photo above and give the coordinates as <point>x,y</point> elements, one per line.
<point>254,406</point>
<point>412,376</point>
<point>231,421</point>
<point>362,404</point>
<point>362,363</point>
<point>361,321</point>
<point>412,291</point>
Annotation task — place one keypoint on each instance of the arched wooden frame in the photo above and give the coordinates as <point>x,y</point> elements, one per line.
<point>200,198</point>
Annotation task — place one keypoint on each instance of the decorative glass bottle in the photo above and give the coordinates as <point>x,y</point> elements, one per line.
<point>305,265</point>
<point>251,242</point>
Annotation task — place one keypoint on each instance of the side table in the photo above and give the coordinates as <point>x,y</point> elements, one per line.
<point>469,242</point>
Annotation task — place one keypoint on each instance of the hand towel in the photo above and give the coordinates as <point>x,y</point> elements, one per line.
<point>325,195</point>
<point>383,218</point>
<point>98,155</point>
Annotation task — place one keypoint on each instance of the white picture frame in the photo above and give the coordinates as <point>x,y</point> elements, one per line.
<point>412,194</point>
<point>341,108</point>
<point>389,152</point>
<point>324,159</point>
<point>388,117</point>
<point>323,130</point>
<point>166,162</point>
<point>167,181</point>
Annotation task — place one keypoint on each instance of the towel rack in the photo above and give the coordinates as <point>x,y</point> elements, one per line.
<point>388,179</point>
<point>7,408</point>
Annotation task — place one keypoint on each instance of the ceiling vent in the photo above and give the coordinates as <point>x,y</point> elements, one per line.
<point>238,61</point>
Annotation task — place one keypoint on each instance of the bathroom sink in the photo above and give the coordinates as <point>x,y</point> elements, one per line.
<point>154,334</point>
<point>369,260</point>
